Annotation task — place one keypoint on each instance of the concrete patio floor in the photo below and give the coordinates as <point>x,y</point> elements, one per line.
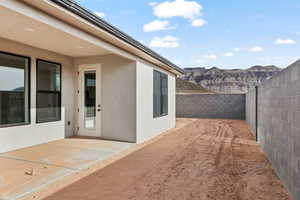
<point>29,170</point>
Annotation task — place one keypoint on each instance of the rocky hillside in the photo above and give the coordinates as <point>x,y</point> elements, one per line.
<point>229,81</point>
<point>186,87</point>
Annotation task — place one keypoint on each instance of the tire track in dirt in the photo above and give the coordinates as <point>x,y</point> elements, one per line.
<point>225,153</point>
<point>224,166</point>
<point>178,165</point>
<point>205,160</point>
<point>232,172</point>
<point>169,173</point>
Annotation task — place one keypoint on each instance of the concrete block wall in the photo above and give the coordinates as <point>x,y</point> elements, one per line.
<point>251,109</point>
<point>223,106</point>
<point>279,125</point>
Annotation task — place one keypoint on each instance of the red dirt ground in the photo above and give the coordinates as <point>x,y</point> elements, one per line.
<point>202,159</point>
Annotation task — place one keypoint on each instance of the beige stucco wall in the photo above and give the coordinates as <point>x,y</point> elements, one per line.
<point>22,136</point>
<point>147,126</point>
<point>118,86</point>
<point>127,100</point>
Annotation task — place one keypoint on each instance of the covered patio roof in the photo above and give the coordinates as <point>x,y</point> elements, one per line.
<point>64,27</point>
<point>31,27</point>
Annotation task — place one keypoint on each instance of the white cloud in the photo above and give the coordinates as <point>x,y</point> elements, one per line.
<point>229,54</point>
<point>199,22</point>
<point>287,41</point>
<point>207,59</point>
<point>211,57</point>
<point>165,42</point>
<point>152,3</point>
<point>236,49</point>
<point>158,25</point>
<point>178,8</point>
<point>100,14</point>
<point>190,10</point>
<point>256,49</point>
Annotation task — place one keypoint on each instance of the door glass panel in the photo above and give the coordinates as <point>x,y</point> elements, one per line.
<point>90,99</point>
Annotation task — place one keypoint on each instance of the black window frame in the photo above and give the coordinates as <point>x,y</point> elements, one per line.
<point>48,92</point>
<point>28,87</point>
<point>162,113</point>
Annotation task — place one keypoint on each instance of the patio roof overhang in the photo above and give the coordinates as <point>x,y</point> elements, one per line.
<point>55,26</point>
<point>22,23</point>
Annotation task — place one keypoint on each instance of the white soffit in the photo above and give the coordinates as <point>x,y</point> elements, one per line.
<point>121,48</point>
<point>24,29</point>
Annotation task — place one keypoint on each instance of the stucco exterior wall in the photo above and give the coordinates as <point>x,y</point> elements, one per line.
<point>127,100</point>
<point>118,88</point>
<point>147,126</point>
<point>23,136</point>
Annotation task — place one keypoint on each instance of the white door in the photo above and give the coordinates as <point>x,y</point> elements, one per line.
<point>89,101</point>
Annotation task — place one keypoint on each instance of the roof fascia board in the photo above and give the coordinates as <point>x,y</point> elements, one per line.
<point>92,18</point>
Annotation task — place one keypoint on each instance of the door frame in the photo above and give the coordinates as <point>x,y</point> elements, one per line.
<point>81,130</point>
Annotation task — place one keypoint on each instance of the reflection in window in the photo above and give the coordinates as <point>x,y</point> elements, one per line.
<point>14,89</point>
<point>48,91</point>
<point>160,94</point>
<point>90,99</point>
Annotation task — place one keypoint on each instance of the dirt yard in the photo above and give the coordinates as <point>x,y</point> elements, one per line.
<point>201,159</point>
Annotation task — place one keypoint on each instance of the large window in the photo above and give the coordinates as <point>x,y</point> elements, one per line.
<point>48,91</point>
<point>160,94</point>
<point>14,90</point>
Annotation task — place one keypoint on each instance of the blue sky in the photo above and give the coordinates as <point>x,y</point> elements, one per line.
<point>206,33</point>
